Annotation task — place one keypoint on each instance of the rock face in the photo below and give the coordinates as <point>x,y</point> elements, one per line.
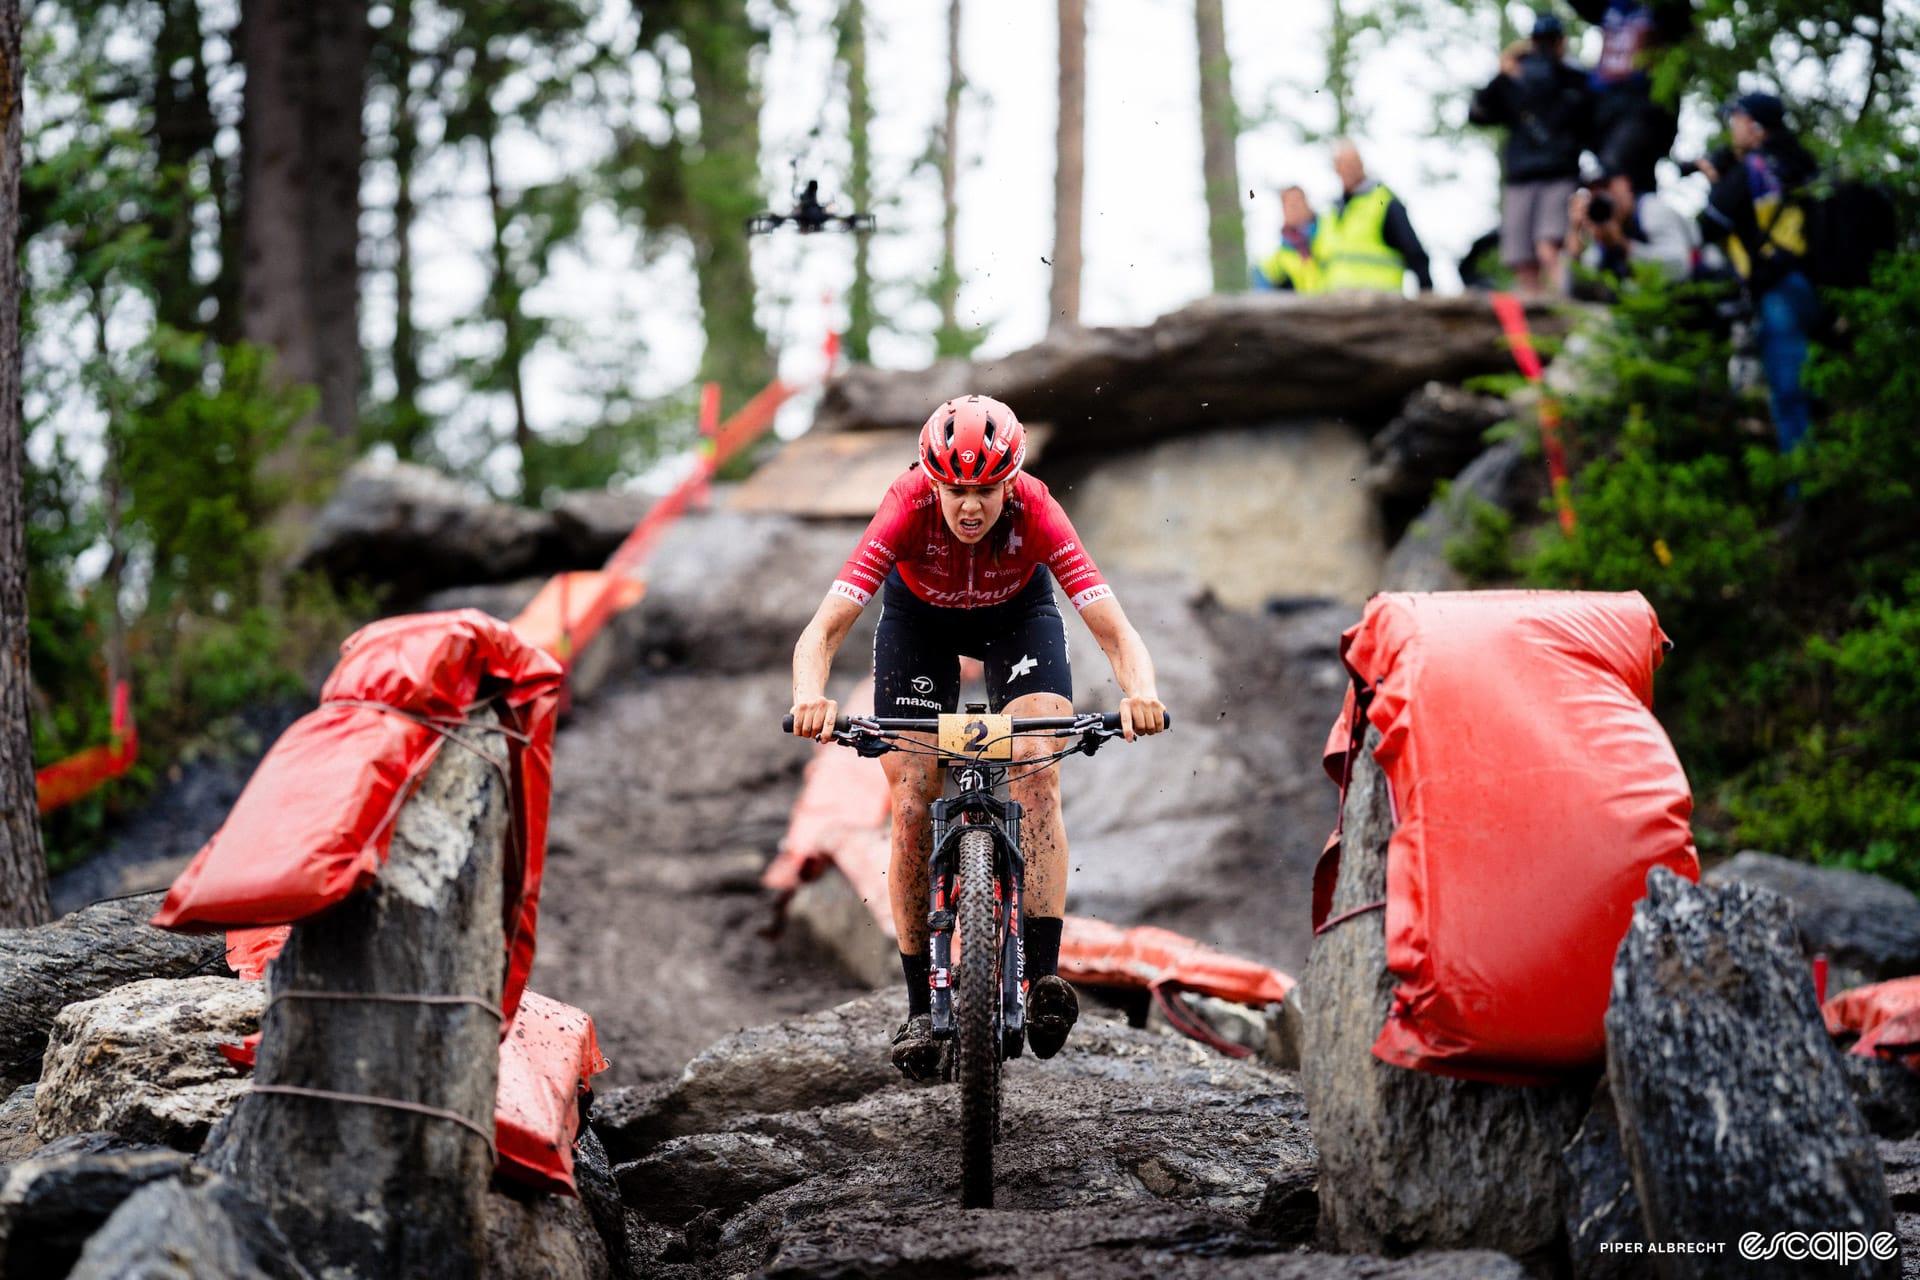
<point>51,1202</point>
<point>1604,1233</point>
<point>544,1238</point>
<point>412,529</point>
<point>1227,360</point>
<point>16,1125</point>
<point>1887,1093</point>
<point>1129,1154</point>
<point>1250,513</point>
<point>201,1219</point>
<point>1408,1160</point>
<point>143,1061</point>
<point>1733,1109</point>
<point>1866,924</point>
<point>86,954</point>
<point>1435,435</point>
<point>1501,476</point>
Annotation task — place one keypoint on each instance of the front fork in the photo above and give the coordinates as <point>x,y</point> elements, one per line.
<point>949,818</point>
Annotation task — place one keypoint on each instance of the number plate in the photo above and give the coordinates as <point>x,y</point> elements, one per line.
<point>977,737</point>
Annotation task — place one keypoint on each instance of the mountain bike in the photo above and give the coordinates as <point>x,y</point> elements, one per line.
<point>975,897</point>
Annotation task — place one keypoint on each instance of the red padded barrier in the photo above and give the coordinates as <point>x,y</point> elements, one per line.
<point>316,820</point>
<point>1533,791</point>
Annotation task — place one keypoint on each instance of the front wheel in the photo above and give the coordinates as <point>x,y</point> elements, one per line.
<point>977,995</point>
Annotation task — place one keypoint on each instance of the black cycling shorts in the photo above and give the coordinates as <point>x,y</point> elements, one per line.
<point>917,649</point>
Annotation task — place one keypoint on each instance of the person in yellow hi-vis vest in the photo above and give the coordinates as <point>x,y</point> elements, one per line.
<point>1292,265</point>
<point>1367,241</point>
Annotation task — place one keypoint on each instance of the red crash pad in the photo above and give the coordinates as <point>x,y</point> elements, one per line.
<point>1533,791</point>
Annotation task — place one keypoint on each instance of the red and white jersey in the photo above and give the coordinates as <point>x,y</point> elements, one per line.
<point>909,532</point>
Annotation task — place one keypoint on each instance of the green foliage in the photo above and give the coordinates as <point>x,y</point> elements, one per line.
<point>1484,550</point>
<point>1793,691</point>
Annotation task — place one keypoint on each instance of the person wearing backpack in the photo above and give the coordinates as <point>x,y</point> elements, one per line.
<point>1756,211</point>
<point>1543,101</point>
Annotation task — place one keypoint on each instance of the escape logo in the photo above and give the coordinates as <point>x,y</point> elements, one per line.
<point>1842,1248</point>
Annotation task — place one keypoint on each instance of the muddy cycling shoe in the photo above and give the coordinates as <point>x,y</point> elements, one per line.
<point>915,1051</point>
<point>1052,1009</point>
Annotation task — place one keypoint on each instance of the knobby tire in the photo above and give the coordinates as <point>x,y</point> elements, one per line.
<point>977,993</point>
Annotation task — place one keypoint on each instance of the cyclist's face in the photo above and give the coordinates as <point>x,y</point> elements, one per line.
<point>971,509</point>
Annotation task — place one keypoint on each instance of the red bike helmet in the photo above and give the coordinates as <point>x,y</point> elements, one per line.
<point>973,440</point>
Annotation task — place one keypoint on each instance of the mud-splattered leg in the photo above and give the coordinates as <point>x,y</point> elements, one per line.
<point>1043,835</point>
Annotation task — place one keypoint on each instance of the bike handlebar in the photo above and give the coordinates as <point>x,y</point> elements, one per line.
<point>1109,723</point>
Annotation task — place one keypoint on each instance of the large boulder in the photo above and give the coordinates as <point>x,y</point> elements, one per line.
<point>730,591</point>
<point>1868,926</point>
<point>1437,432</point>
<point>411,529</point>
<point>542,1238</point>
<point>1128,1154</point>
<point>1226,360</point>
<point>1409,1160</point>
<point>144,1061</point>
<point>110,944</point>
<point>1604,1233</point>
<point>197,1225</point>
<point>1251,513</point>
<point>1733,1108</point>
<point>1500,481</point>
<point>17,1138</point>
<point>53,1200</point>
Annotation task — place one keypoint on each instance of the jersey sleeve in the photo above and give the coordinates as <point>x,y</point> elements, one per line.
<point>1066,557</point>
<point>877,553</point>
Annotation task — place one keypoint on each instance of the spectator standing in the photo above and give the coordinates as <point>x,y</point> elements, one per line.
<point>1544,104</point>
<point>1631,132</point>
<point>1612,229</point>
<point>1752,211</point>
<point>1292,265</point>
<point>1367,241</point>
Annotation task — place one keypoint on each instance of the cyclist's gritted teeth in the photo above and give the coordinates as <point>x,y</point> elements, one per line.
<point>971,510</point>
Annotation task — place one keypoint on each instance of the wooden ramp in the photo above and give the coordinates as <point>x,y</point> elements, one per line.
<point>840,474</point>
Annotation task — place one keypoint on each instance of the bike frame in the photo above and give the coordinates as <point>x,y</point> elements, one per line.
<point>980,801</point>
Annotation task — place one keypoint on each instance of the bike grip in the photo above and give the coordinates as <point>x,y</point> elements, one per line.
<point>1111,721</point>
<point>839,726</point>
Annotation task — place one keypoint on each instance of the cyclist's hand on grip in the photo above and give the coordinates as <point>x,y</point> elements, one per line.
<point>1142,715</point>
<point>814,717</point>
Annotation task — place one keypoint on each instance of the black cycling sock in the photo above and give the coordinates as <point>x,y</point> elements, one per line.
<point>918,968</point>
<point>1041,937</point>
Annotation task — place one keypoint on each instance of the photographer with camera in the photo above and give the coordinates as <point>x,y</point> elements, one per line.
<point>1631,131</point>
<point>1612,230</point>
<point>1751,210</point>
<point>1544,102</point>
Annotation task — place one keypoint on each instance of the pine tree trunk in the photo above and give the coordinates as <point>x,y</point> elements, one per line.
<point>342,41</point>
<point>1219,132</point>
<point>300,160</point>
<point>951,341</point>
<point>1070,167</point>
<point>23,866</point>
<point>1340,33</point>
<point>503,297</point>
<point>407,417</point>
<point>853,54</point>
<point>727,174</point>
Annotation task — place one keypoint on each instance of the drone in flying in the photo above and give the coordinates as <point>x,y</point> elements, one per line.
<point>809,215</point>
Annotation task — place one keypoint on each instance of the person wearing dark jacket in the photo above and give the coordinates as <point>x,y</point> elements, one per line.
<point>1752,209</point>
<point>1631,132</point>
<point>1544,103</point>
<point>1367,241</point>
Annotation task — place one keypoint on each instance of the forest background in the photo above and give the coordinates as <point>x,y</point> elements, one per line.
<point>260,238</point>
